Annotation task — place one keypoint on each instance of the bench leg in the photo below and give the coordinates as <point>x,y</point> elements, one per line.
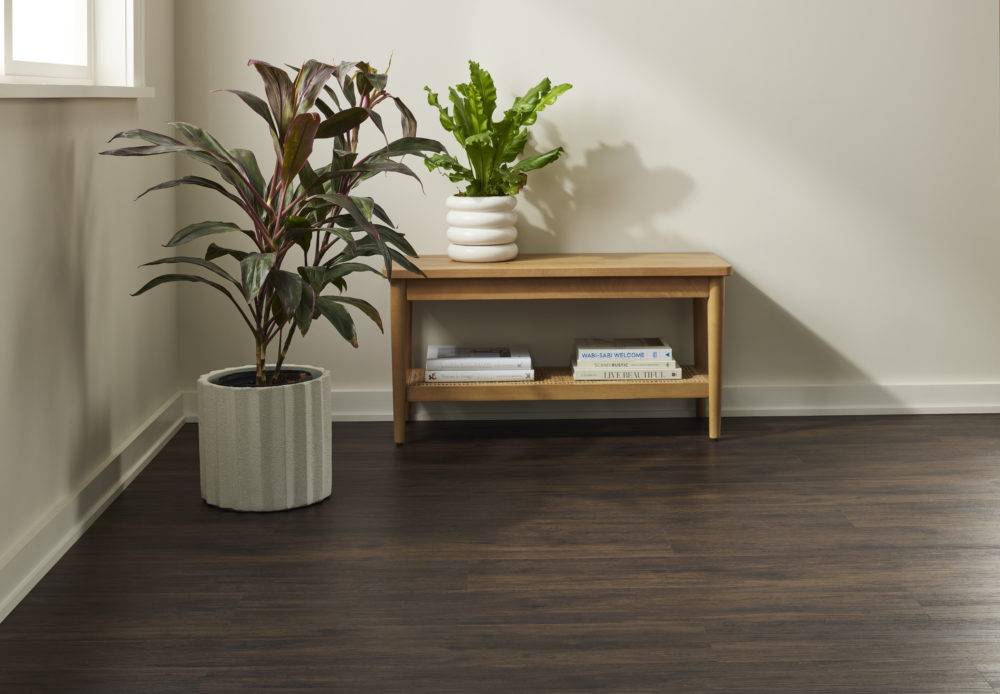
<point>400,315</point>
<point>714,316</point>
<point>699,312</point>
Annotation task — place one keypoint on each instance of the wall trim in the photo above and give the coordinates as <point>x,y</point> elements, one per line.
<point>375,405</point>
<point>861,399</point>
<point>41,546</point>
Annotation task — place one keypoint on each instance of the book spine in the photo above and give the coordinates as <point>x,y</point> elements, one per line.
<point>479,364</point>
<point>479,376</point>
<point>651,353</point>
<point>620,364</point>
<point>627,375</point>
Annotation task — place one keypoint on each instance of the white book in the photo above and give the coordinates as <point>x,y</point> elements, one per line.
<point>627,374</point>
<point>624,348</point>
<point>450,358</point>
<point>479,375</point>
<point>625,364</point>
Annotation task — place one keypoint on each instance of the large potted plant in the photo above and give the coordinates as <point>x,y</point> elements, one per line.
<point>264,429</point>
<point>481,217</point>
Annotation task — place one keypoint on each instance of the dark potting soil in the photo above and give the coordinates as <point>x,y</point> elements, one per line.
<point>248,379</point>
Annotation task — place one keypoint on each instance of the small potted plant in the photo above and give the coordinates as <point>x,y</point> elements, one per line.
<point>481,217</point>
<point>264,429</point>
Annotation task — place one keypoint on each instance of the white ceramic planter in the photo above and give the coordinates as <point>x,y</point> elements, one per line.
<point>482,254</point>
<point>481,230</point>
<point>265,449</point>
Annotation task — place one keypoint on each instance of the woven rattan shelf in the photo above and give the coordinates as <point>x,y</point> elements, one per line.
<point>556,383</point>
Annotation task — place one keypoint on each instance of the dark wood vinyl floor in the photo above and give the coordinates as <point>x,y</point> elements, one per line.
<point>795,555</point>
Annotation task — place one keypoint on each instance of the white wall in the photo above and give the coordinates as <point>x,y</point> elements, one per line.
<point>844,156</point>
<point>84,364</point>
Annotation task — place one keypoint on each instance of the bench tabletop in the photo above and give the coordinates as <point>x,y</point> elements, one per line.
<point>574,265</point>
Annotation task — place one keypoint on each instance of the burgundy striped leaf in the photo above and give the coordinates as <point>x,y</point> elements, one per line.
<point>298,144</point>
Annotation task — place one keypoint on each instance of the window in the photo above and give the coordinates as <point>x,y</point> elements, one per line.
<point>76,42</point>
<point>49,38</point>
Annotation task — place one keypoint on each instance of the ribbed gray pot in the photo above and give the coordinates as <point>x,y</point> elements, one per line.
<point>265,449</point>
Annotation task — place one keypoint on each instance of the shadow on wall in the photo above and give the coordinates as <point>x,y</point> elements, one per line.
<point>64,242</point>
<point>793,367</point>
<point>609,201</point>
<point>781,348</point>
<point>61,326</point>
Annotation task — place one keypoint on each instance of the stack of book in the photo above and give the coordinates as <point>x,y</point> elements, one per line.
<point>624,359</point>
<point>448,364</point>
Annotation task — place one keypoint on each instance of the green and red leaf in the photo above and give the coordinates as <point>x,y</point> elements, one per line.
<point>198,230</point>
<point>298,144</point>
<point>338,317</point>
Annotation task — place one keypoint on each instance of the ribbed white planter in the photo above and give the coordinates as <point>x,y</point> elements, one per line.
<point>481,230</point>
<point>265,449</point>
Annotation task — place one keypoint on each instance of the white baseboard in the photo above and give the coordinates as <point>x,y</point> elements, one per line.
<point>38,549</point>
<point>861,399</point>
<point>738,401</point>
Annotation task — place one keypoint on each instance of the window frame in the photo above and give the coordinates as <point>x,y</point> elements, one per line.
<point>23,70</point>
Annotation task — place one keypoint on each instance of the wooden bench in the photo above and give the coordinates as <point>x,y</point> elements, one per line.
<point>696,276</point>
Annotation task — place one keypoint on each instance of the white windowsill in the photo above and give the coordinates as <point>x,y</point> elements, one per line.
<point>12,90</point>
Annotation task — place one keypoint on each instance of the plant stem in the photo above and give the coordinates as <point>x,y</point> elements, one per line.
<point>261,358</point>
<point>283,350</point>
<point>277,365</point>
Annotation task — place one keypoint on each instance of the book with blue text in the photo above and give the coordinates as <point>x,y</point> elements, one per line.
<point>622,349</point>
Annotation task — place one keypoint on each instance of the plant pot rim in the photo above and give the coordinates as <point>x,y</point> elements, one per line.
<point>208,379</point>
<point>481,197</point>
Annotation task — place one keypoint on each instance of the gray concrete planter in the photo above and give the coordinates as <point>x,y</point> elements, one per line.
<point>265,449</point>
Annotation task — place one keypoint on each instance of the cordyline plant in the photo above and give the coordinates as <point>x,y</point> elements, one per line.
<point>299,208</point>
<point>491,146</point>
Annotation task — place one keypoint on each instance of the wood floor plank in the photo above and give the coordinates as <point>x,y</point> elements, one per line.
<point>841,554</point>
